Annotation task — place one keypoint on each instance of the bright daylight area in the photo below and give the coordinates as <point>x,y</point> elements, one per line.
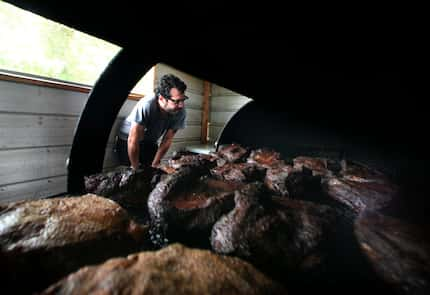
<point>31,44</point>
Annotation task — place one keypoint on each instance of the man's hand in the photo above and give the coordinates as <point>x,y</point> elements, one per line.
<point>164,146</point>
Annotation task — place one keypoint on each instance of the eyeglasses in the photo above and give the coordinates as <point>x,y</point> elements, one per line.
<point>178,101</point>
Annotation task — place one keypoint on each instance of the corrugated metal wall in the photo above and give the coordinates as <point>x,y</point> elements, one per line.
<point>36,129</point>
<point>36,132</point>
<point>224,104</point>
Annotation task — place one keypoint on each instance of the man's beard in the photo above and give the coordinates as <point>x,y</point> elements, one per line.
<point>173,112</point>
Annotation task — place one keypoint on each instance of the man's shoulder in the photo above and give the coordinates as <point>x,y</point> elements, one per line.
<point>147,100</point>
<point>147,103</point>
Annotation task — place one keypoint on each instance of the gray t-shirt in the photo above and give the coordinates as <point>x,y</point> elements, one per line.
<point>147,113</point>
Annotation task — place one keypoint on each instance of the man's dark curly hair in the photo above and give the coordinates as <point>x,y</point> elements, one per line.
<point>167,82</point>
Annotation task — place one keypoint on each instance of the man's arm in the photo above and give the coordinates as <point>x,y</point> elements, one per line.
<point>164,147</point>
<point>135,135</point>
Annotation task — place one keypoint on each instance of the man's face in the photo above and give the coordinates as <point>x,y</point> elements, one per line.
<point>175,103</point>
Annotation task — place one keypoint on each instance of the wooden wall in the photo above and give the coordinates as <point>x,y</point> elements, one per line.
<point>224,104</point>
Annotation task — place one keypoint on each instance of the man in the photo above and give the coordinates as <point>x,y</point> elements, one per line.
<point>159,116</point>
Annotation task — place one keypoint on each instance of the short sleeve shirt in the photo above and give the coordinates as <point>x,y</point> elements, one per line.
<point>148,114</point>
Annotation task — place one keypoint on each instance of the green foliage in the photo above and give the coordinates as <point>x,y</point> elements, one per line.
<point>32,44</point>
